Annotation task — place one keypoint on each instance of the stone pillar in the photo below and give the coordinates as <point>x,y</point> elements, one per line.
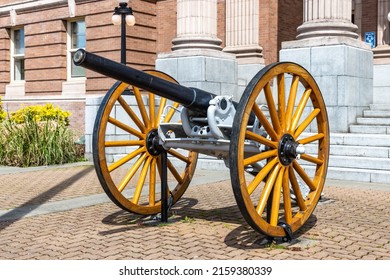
<point>327,18</point>
<point>196,25</point>
<point>197,59</point>
<point>382,56</point>
<point>242,38</point>
<point>342,65</point>
<point>242,31</point>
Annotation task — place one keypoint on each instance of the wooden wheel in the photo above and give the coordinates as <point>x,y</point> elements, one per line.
<point>126,151</point>
<point>288,104</point>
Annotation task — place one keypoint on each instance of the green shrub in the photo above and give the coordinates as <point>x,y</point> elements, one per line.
<point>3,115</point>
<point>41,113</point>
<point>36,143</point>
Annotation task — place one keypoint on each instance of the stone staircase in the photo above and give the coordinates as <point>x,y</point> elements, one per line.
<point>364,153</point>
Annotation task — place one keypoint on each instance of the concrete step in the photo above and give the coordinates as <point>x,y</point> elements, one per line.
<point>360,139</point>
<point>373,121</point>
<point>360,162</point>
<point>357,151</point>
<point>380,107</point>
<point>370,129</point>
<point>376,113</point>
<point>360,175</point>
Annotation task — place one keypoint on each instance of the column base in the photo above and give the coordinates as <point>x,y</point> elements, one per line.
<point>313,29</point>
<point>196,43</point>
<point>382,55</point>
<point>247,54</point>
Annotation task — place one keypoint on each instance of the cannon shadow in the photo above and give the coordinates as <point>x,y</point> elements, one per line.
<point>242,237</point>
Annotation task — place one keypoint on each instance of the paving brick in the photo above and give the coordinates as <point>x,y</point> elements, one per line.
<point>217,232</point>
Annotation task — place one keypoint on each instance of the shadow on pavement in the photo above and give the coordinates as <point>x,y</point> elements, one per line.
<point>243,237</point>
<point>18,213</point>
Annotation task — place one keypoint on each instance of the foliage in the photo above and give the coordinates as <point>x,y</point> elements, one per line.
<point>41,113</point>
<point>36,136</point>
<point>3,115</point>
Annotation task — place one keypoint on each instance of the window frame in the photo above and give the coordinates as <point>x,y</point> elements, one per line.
<point>69,50</point>
<point>15,57</point>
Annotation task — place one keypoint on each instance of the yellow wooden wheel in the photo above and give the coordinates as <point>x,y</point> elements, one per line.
<point>291,121</point>
<point>126,150</point>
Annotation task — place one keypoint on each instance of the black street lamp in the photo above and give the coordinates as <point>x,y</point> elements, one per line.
<point>123,15</point>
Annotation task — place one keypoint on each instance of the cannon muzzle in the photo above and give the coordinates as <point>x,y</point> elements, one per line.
<point>192,98</point>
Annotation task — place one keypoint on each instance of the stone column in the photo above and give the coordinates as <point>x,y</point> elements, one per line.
<point>382,57</point>
<point>196,25</point>
<point>242,30</point>
<point>197,59</point>
<point>342,65</point>
<point>382,51</point>
<point>327,18</point>
<point>242,38</point>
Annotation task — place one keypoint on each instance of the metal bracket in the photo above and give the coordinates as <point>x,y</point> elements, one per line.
<point>287,229</point>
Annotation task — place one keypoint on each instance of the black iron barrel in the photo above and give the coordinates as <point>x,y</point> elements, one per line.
<point>192,98</point>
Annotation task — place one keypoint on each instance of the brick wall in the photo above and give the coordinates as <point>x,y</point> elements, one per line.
<point>290,16</point>
<point>369,16</point>
<point>4,59</point>
<point>166,23</point>
<point>268,30</point>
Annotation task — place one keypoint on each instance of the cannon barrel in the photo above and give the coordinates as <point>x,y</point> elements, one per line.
<point>192,98</point>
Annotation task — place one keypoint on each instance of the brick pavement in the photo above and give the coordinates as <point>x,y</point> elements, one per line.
<point>351,223</point>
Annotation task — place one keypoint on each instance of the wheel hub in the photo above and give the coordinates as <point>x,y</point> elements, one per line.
<point>152,143</point>
<point>289,149</point>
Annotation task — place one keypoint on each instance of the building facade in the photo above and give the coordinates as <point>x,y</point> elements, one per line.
<point>37,39</point>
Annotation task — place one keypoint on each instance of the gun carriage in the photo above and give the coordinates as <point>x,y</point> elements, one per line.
<point>275,141</point>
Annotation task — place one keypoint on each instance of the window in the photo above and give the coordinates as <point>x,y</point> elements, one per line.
<point>17,55</point>
<point>76,40</point>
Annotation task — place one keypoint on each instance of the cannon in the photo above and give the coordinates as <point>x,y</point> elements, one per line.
<point>275,141</point>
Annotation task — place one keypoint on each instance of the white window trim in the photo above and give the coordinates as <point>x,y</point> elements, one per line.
<point>13,56</point>
<point>68,52</point>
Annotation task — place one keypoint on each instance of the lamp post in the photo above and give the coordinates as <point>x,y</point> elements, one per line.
<point>123,15</point>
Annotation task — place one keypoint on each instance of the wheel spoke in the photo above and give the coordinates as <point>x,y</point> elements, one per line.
<point>312,159</point>
<point>261,175</point>
<point>163,102</point>
<point>141,181</point>
<point>152,109</point>
<point>291,101</point>
<point>179,156</point>
<point>259,157</point>
<point>131,173</point>
<point>300,108</point>
<point>276,198</point>
<point>287,199</point>
<point>311,139</point>
<point>263,120</point>
<point>174,172</point>
<point>171,112</point>
<point>260,139</point>
<point>281,102</point>
<point>304,175</point>
<point>125,127</point>
<point>131,114</point>
<point>141,106</point>
<point>267,190</point>
<point>125,159</point>
<point>124,143</point>
<point>296,190</point>
<point>152,182</point>
<point>272,108</point>
<point>306,123</point>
